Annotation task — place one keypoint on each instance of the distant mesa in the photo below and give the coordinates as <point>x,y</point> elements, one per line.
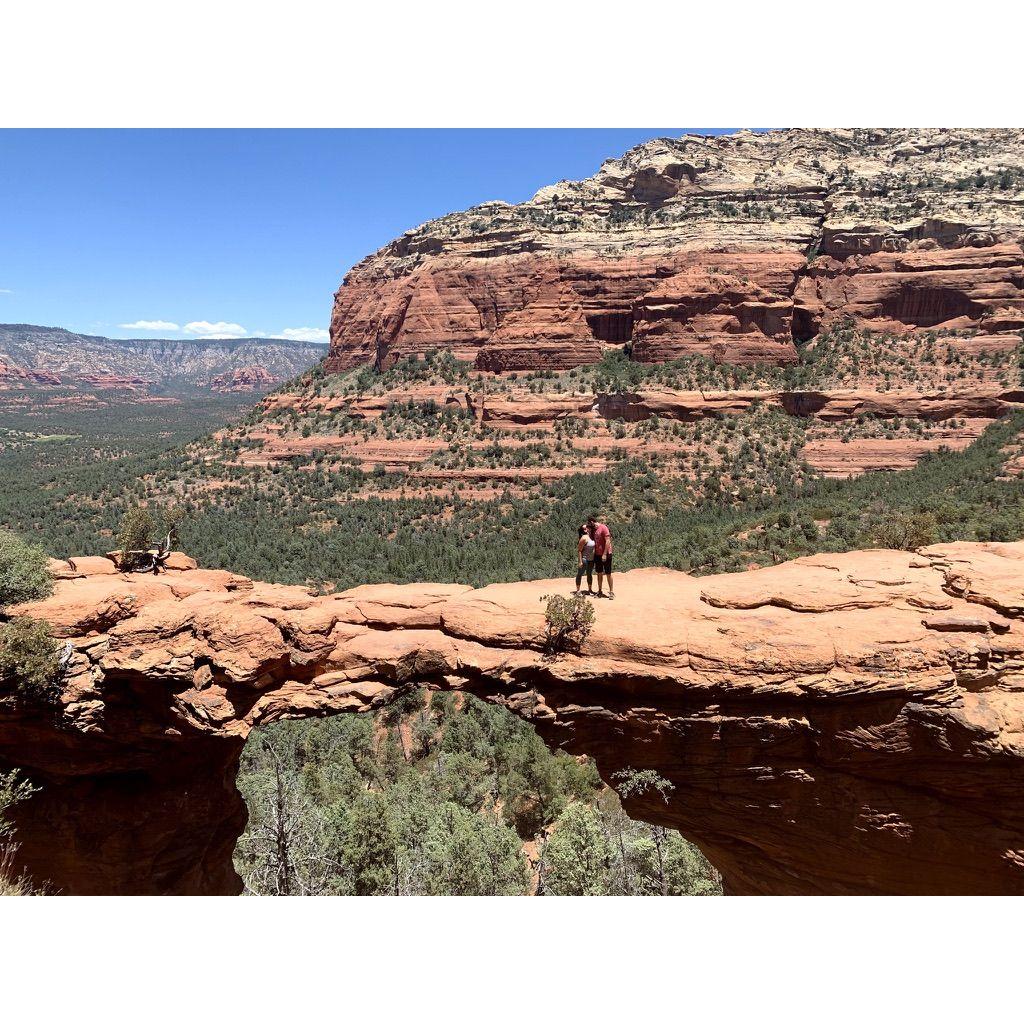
<point>244,378</point>
<point>738,248</point>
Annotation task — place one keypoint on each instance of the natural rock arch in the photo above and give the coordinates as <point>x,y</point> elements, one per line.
<point>838,724</point>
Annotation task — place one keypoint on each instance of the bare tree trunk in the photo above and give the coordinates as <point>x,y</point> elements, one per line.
<point>539,889</point>
<point>658,834</point>
<point>622,853</point>
<point>281,828</point>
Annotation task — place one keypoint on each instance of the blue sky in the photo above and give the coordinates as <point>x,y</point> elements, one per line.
<point>232,232</point>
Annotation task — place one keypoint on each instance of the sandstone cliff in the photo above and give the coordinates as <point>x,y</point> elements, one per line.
<point>838,724</point>
<point>730,247</point>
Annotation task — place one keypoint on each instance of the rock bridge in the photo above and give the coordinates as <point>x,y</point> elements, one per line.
<point>839,724</point>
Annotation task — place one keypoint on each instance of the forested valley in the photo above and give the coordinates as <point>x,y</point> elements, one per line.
<point>443,794</point>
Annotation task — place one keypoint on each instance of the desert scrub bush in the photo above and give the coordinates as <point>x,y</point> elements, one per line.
<point>30,660</point>
<point>136,535</point>
<point>567,621</point>
<point>140,530</point>
<point>13,789</point>
<point>24,575</point>
<point>905,531</point>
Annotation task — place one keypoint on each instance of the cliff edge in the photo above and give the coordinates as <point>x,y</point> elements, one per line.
<point>848,723</point>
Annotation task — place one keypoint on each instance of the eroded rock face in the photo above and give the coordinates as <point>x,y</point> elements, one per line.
<point>521,407</point>
<point>837,724</point>
<point>708,245</point>
<point>963,288</point>
<point>716,315</point>
<point>488,310</point>
<point>981,402</point>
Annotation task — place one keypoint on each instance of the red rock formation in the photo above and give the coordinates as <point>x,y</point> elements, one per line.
<point>18,375</point>
<point>951,288</point>
<point>115,382</point>
<point>566,306</point>
<point>973,402</point>
<point>550,333</point>
<point>838,724</point>
<point>853,456</point>
<point>715,315</point>
<point>244,378</point>
<point>520,407</point>
<point>364,407</point>
<point>697,245</point>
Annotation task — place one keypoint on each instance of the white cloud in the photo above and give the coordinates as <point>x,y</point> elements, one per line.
<point>220,329</point>
<point>150,325</point>
<point>6,291</point>
<point>304,334</point>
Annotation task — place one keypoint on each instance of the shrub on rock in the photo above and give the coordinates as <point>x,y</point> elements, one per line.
<point>24,575</point>
<point>30,660</point>
<point>568,622</point>
<point>137,528</point>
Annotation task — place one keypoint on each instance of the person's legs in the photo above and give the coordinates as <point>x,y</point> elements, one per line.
<point>600,575</point>
<point>590,576</point>
<point>608,572</point>
<point>579,578</point>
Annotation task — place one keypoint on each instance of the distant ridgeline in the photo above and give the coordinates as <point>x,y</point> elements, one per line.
<point>51,357</point>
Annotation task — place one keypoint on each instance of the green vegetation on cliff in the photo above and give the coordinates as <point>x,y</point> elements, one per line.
<point>301,522</point>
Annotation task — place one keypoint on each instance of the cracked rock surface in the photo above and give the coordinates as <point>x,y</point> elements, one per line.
<point>842,723</point>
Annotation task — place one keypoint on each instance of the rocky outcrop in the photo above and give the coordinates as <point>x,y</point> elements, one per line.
<point>974,402</point>
<point>715,315</point>
<point>482,308</point>
<point>848,457</point>
<point>701,245</point>
<point>838,724</point>
<point>550,333</point>
<point>978,402</point>
<point>244,378</point>
<point>11,374</point>
<point>523,408</point>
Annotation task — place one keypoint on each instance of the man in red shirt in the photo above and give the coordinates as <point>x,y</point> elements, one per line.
<point>602,554</point>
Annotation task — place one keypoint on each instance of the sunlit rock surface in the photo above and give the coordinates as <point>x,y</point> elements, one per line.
<point>837,724</point>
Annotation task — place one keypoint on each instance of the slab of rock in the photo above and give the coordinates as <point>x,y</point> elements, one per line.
<point>959,288</point>
<point>84,565</point>
<point>959,623</point>
<point>846,723</point>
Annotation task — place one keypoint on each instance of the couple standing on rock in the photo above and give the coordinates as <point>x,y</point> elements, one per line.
<point>594,551</point>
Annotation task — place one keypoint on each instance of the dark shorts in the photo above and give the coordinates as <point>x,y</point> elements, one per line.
<point>603,563</point>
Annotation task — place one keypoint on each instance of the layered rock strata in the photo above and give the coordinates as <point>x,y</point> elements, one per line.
<point>731,247</point>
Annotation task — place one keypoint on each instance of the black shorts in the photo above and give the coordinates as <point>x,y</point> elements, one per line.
<point>603,563</point>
